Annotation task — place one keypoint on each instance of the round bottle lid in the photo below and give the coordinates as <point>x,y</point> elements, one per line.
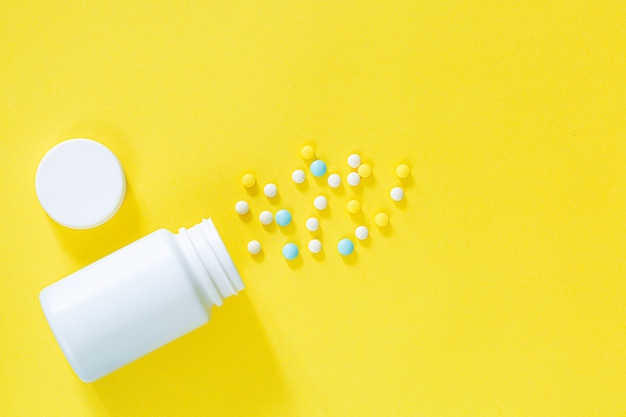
<point>80,183</point>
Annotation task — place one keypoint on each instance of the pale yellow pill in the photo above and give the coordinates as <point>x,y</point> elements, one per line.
<point>381,219</point>
<point>403,171</point>
<point>307,152</point>
<point>248,180</point>
<point>353,207</point>
<point>364,170</point>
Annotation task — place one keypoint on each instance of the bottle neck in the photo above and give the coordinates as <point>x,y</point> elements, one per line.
<point>211,265</point>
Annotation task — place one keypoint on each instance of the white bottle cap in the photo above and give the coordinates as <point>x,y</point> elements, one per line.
<point>80,183</point>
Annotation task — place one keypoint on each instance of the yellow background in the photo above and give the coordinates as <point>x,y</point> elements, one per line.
<point>499,289</point>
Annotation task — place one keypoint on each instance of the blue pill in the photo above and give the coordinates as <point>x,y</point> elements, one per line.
<point>345,247</point>
<point>290,251</point>
<point>318,168</point>
<point>283,217</point>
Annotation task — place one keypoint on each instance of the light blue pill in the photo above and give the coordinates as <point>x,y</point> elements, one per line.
<point>290,251</point>
<point>318,168</point>
<point>283,217</point>
<point>345,247</point>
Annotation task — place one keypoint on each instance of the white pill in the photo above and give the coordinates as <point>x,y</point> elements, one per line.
<point>266,217</point>
<point>397,194</point>
<point>298,176</point>
<point>354,160</point>
<point>315,246</point>
<point>242,207</point>
<point>254,247</point>
<point>361,233</point>
<point>354,179</point>
<point>270,190</point>
<point>334,180</point>
<point>320,202</point>
<point>312,224</point>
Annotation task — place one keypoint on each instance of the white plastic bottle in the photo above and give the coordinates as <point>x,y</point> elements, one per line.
<point>139,298</point>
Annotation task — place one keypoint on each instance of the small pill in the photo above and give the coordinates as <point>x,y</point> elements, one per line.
<point>270,190</point>
<point>397,194</point>
<point>283,217</point>
<point>242,207</point>
<point>318,168</point>
<point>364,170</point>
<point>354,160</point>
<point>248,180</point>
<point>345,246</point>
<point>266,217</point>
<point>381,219</point>
<point>312,224</point>
<point>320,202</point>
<point>403,171</point>
<point>361,233</point>
<point>353,207</point>
<point>254,247</point>
<point>307,152</point>
<point>290,251</point>
<point>315,246</point>
<point>354,179</point>
<point>298,176</point>
<point>334,180</point>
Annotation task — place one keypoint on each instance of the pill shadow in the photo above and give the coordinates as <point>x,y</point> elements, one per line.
<point>350,259</point>
<point>386,230</point>
<point>319,256</point>
<point>276,200</point>
<point>366,243</point>
<point>259,257</point>
<point>296,263</point>
<point>226,367</point>
<point>253,191</point>
<point>402,204</point>
<point>246,218</point>
<point>407,182</point>
<point>288,230</point>
<point>339,191</point>
<point>302,187</point>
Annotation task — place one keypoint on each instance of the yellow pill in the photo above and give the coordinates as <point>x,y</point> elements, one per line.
<point>381,219</point>
<point>248,180</point>
<point>307,152</point>
<point>353,207</point>
<point>403,171</point>
<point>364,170</point>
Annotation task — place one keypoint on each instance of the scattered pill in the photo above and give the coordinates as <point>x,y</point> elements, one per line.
<point>320,202</point>
<point>318,168</point>
<point>397,194</point>
<point>270,190</point>
<point>266,217</point>
<point>298,176</point>
<point>403,171</point>
<point>381,219</point>
<point>283,217</point>
<point>364,170</point>
<point>290,251</point>
<point>248,180</point>
<point>307,152</point>
<point>345,246</point>
<point>361,233</point>
<point>354,160</point>
<point>315,246</point>
<point>334,180</point>
<point>242,207</point>
<point>312,224</point>
<point>353,207</point>
<point>254,247</point>
<point>354,179</point>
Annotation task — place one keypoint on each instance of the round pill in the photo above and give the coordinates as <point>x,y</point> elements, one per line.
<point>266,217</point>
<point>248,180</point>
<point>283,217</point>
<point>315,246</point>
<point>320,202</point>
<point>307,152</point>
<point>242,207</point>
<point>353,207</point>
<point>397,194</point>
<point>381,219</point>
<point>354,179</point>
<point>334,180</point>
<point>403,171</point>
<point>318,168</point>
<point>298,176</point>
<point>270,190</point>
<point>254,247</point>
<point>290,251</point>
<point>364,170</point>
<point>345,246</point>
<point>354,160</point>
<point>361,233</point>
<point>312,224</point>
